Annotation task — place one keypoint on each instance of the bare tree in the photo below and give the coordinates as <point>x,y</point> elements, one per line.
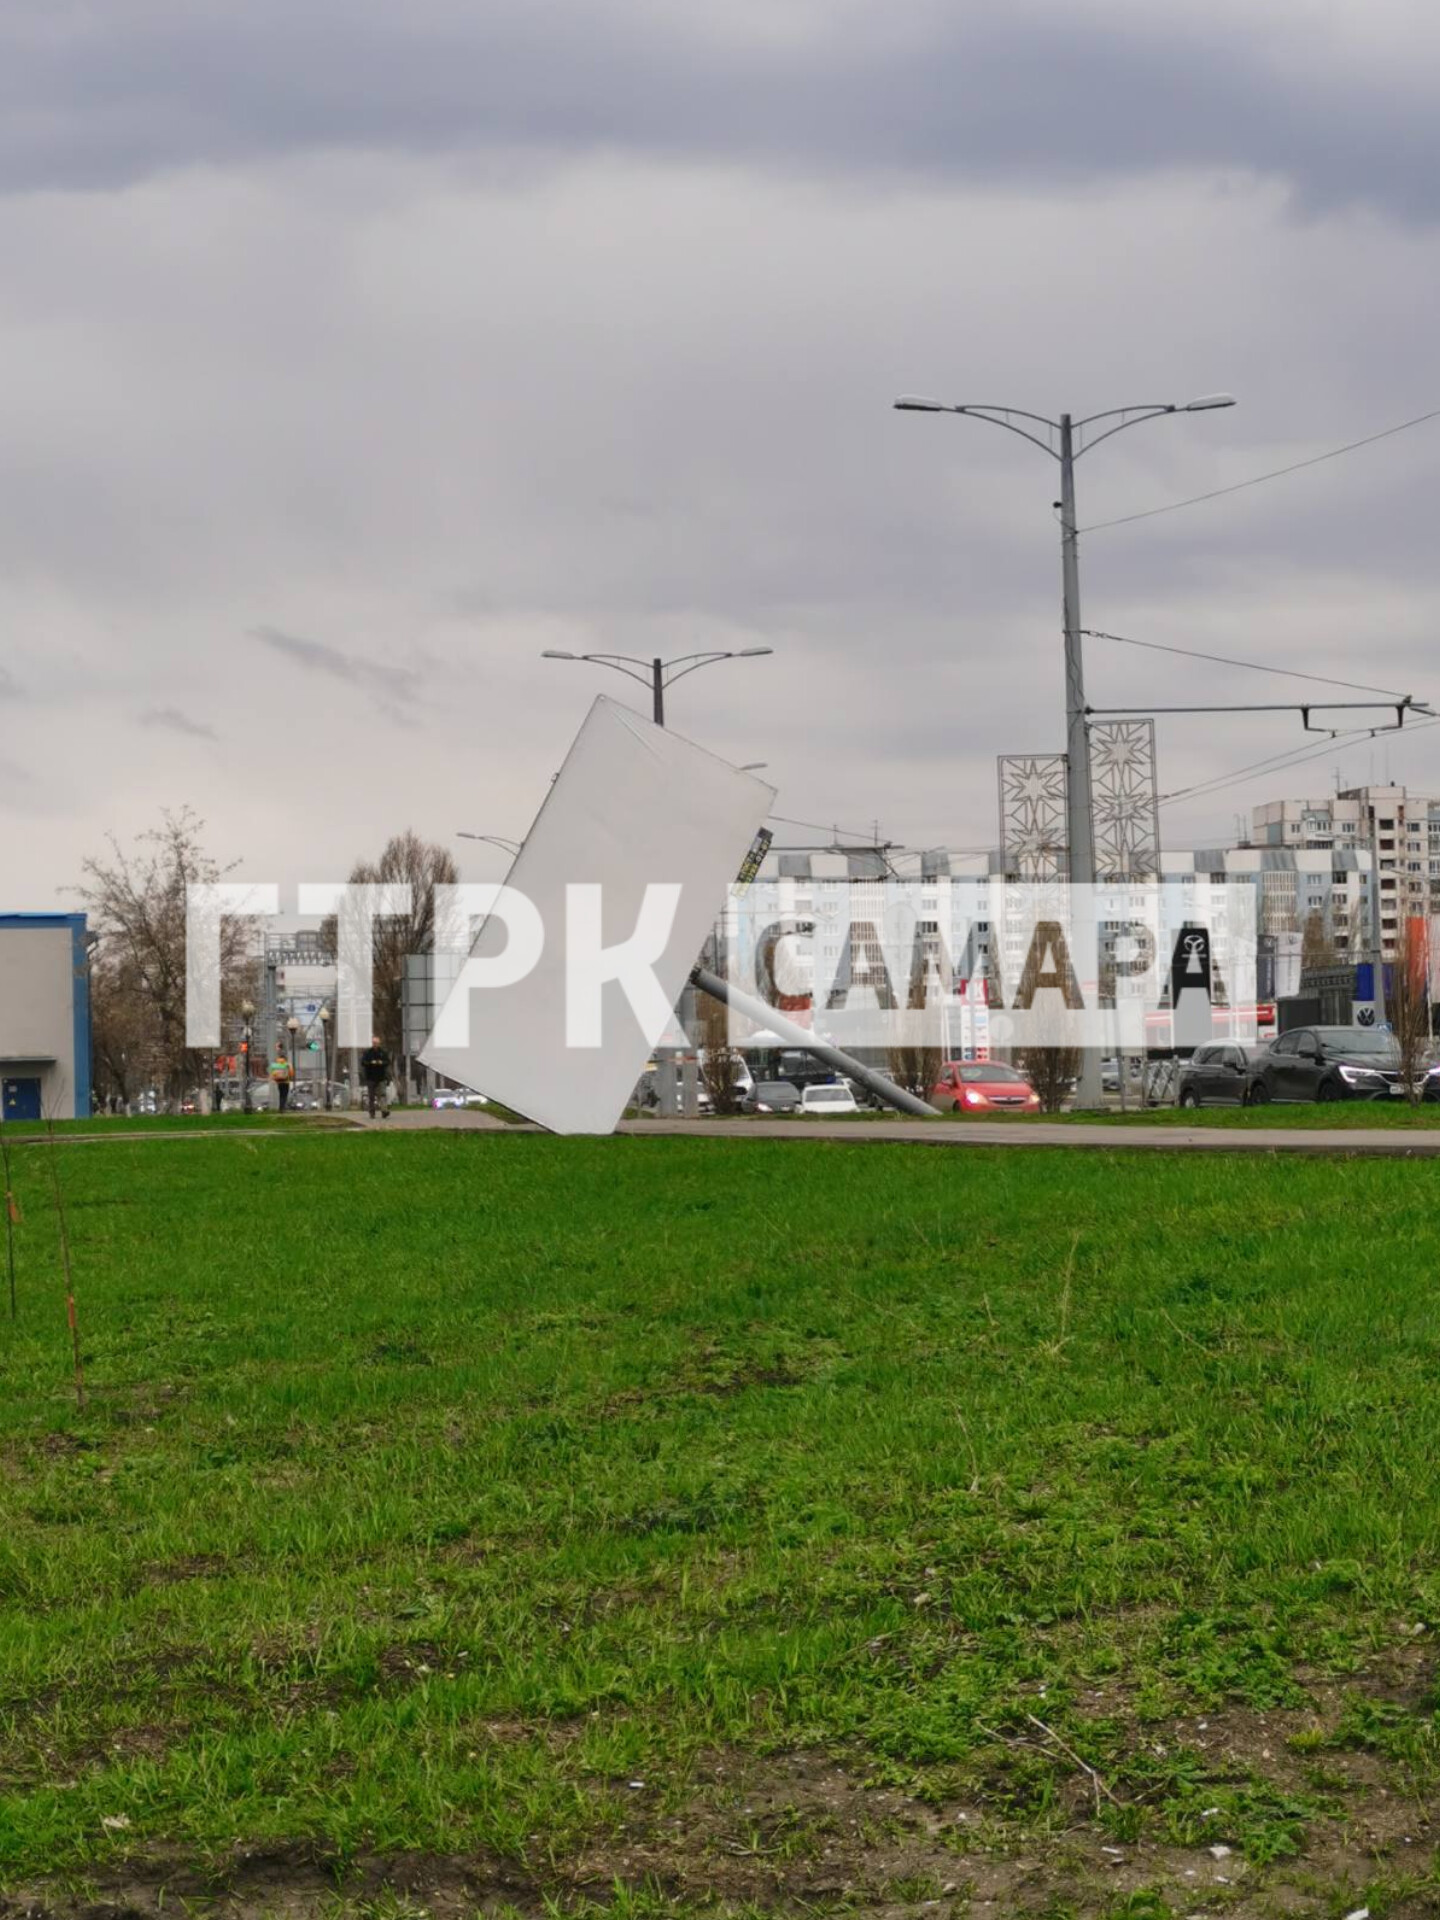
<point>916,1069</point>
<point>1049,1063</point>
<point>721,1063</point>
<point>1317,948</point>
<point>1052,1072</point>
<point>136,898</point>
<point>1408,1006</point>
<point>125,1050</point>
<point>406,860</point>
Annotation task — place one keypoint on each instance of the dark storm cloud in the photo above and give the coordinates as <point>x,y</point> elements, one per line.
<point>172,720</point>
<point>395,686</point>
<point>99,97</point>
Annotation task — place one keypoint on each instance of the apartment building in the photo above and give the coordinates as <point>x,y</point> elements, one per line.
<point>1399,827</point>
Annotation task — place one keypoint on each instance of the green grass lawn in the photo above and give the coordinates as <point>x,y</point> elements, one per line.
<point>645,1520</point>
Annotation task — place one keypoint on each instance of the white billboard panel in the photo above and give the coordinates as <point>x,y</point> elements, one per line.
<point>627,867</point>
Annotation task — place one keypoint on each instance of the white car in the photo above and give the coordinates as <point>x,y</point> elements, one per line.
<point>826,1102</point>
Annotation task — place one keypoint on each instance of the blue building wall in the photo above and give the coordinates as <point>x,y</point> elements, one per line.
<point>80,1074</point>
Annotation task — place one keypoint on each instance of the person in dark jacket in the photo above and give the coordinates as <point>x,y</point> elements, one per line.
<point>375,1072</point>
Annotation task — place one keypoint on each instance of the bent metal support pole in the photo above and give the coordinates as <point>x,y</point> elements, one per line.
<point>804,1041</point>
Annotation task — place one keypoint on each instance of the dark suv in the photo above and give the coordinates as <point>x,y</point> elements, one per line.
<point>1327,1063</point>
<point>1218,1075</point>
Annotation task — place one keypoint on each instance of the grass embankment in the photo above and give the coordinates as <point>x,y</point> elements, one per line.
<point>810,1528</point>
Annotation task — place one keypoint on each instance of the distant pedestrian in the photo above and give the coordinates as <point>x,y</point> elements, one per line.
<point>282,1073</point>
<point>375,1072</point>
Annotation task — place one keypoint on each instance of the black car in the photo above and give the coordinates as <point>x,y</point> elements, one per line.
<point>1328,1063</point>
<point>1218,1075</point>
<point>771,1096</point>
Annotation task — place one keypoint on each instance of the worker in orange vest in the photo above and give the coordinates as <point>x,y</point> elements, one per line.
<point>282,1073</point>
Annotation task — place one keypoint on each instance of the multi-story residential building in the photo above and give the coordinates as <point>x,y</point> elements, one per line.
<point>1399,828</point>
<point>1293,885</point>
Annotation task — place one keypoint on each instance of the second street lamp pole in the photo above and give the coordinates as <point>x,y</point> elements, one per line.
<point>657,674</point>
<point>1079,816</point>
<point>1060,442</point>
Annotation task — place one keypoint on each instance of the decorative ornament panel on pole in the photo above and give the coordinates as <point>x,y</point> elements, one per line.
<point>1123,800</point>
<point>1125,811</point>
<point>1033,792</point>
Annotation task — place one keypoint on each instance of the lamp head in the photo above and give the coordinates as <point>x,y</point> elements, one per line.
<point>917,403</point>
<point>1208,402</point>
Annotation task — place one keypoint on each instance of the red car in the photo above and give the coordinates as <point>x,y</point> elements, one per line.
<point>983,1086</point>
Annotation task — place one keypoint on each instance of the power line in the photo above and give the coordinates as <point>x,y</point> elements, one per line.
<point>1278,473</point>
<point>827,826</point>
<point>1281,763</point>
<point>1251,666</point>
<point>1276,763</point>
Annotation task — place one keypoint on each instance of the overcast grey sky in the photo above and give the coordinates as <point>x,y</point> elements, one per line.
<point>352,354</point>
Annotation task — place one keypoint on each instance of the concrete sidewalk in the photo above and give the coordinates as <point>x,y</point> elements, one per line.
<point>447,1119</point>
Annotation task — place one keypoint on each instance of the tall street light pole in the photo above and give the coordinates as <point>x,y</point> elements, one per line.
<point>1065,440</point>
<point>658,674</point>
<point>325,1044</point>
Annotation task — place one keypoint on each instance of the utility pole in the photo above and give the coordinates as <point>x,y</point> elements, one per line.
<point>1079,817</point>
<point>1079,821</point>
<point>1377,936</point>
<point>657,690</point>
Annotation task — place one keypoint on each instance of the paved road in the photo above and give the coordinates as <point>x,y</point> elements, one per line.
<point>1386,1142</point>
<point>1393,1143</point>
<point>1401,1143</point>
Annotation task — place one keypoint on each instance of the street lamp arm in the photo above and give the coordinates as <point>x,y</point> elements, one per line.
<point>996,416</point>
<point>700,659</point>
<point>512,847</point>
<point>1129,417</point>
<point>619,663</point>
<point>1141,409</point>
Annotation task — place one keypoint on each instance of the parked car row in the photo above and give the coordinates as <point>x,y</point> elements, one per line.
<point>822,1099</point>
<point>1308,1063</point>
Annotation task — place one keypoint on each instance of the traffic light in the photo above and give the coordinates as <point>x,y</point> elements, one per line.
<point>312,1046</point>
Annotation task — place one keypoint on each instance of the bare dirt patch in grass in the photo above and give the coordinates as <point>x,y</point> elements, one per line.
<point>808,1833</point>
